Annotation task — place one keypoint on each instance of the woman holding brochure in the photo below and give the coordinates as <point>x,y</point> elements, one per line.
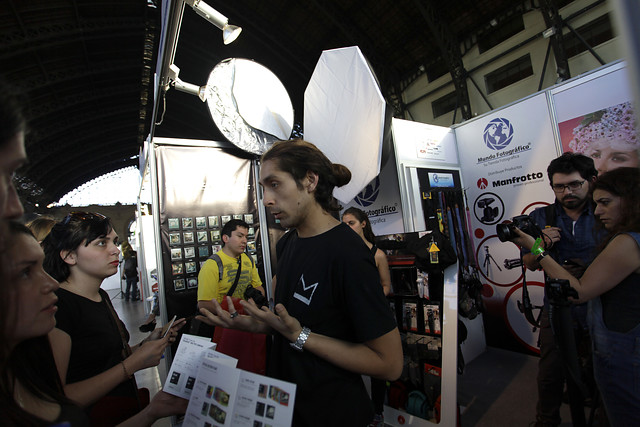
<point>80,252</point>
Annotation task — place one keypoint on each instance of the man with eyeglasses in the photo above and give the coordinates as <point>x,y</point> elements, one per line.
<point>568,231</point>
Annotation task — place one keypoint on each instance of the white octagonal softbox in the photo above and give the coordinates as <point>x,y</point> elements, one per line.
<point>344,113</point>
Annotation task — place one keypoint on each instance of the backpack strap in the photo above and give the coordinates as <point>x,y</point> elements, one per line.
<point>550,215</point>
<point>218,261</point>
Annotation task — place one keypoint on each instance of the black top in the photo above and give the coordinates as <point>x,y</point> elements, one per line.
<point>330,284</point>
<point>96,341</point>
<point>620,304</point>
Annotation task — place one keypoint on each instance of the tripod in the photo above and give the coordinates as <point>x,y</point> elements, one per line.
<point>488,259</point>
<point>559,291</point>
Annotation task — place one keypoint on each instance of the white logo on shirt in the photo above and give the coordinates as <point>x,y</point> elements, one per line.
<point>308,291</point>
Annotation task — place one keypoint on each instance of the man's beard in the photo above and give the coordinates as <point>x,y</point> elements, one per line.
<point>572,202</point>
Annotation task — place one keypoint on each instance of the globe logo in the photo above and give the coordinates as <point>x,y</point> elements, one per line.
<point>369,194</point>
<point>498,134</point>
<point>482,183</point>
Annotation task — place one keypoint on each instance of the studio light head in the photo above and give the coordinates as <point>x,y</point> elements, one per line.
<point>229,32</point>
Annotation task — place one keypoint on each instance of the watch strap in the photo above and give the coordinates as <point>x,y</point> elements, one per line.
<point>542,255</point>
<point>302,339</point>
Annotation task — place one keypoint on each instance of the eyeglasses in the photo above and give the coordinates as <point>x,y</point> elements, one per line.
<point>573,186</point>
<point>83,216</point>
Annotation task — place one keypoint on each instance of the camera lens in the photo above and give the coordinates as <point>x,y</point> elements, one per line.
<point>504,232</point>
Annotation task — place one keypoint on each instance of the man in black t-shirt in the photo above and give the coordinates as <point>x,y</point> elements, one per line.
<point>337,324</point>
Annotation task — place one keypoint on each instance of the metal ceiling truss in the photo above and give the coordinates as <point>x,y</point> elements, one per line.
<point>553,21</point>
<point>450,49</point>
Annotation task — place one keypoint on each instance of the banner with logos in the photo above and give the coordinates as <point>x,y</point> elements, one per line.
<point>380,200</point>
<point>504,156</point>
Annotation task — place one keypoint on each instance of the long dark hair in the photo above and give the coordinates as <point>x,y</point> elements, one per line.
<point>31,361</point>
<point>623,183</point>
<point>297,157</point>
<point>361,216</point>
<point>75,229</point>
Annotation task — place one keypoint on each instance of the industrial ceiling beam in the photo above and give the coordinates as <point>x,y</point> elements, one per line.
<point>450,49</point>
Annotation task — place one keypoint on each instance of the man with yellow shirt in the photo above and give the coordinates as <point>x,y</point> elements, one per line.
<point>238,269</point>
<point>210,285</point>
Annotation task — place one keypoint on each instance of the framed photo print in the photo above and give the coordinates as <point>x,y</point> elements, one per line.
<point>192,282</point>
<point>201,222</point>
<point>202,236</point>
<point>215,236</point>
<point>188,236</point>
<point>225,219</point>
<point>174,239</point>
<point>237,216</point>
<point>187,222</point>
<point>178,285</point>
<point>216,248</point>
<point>176,253</point>
<point>203,251</point>
<point>190,267</point>
<point>251,232</point>
<point>174,223</point>
<point>176,268</point>
<point>248,218</point>
<point>213,221</point>
<point>251,246</point>
<point>189,252</point>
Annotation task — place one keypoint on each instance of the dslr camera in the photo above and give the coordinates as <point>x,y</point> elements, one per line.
<point>522,222</point>
<point>257,296</point>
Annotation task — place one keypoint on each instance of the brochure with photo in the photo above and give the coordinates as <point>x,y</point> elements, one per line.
<point>191,350</point>
<point>226,396</point>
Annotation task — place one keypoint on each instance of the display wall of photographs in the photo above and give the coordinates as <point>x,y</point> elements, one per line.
<point>203,251</point>
<point>201,222</point>
<point>193,240</point>
<point>192,283</point>
<point>178,285</point>
<point>189,252</point>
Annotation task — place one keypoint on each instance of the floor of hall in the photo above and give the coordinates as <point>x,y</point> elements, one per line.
<point>497,388</point>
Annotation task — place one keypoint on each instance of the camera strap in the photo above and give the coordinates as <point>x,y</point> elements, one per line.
<point>525,306</point>
<point>235,282</point>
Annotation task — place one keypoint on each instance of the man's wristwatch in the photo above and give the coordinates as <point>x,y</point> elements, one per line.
<point>302,338</point>
<point>542,255</point>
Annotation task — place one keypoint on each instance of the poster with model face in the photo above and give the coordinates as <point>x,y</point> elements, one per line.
<point>504,157</point>
<point>596,118</point>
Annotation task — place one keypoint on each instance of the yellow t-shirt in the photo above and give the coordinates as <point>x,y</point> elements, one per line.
<point>209,285</point>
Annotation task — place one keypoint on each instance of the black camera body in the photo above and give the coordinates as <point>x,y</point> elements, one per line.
<point>522,222</point>
<point>257,296</point>
<point>559,291</point>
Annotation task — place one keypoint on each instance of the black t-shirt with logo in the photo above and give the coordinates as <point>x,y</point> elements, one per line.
<point>330,283</point>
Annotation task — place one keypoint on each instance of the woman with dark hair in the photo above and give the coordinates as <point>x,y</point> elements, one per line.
<point>80,252</point>
<point>359,222</point>
<point>611,284</point>
<point>31,392</point>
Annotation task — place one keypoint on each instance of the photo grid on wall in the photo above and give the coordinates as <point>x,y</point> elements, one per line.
<point>193,240</point>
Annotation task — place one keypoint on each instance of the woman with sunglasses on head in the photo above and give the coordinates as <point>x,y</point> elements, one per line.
<point>31,392</point>
<point>80,252</point>
<point>611,284</point>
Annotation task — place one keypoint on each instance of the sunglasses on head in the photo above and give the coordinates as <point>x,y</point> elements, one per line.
<point>83,216</point>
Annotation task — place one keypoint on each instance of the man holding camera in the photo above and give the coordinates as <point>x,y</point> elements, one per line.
<point>230,272</point>
<point>567,231</point>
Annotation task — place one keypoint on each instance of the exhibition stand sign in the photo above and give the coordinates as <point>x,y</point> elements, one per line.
<point>504,156</point>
